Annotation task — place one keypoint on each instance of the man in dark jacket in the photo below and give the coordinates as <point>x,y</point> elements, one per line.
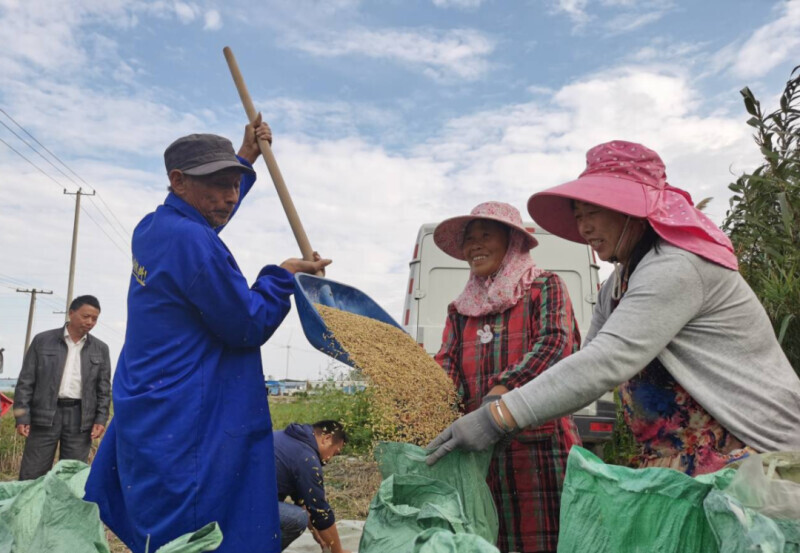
<point>63,391</point>
<point>300,452</point>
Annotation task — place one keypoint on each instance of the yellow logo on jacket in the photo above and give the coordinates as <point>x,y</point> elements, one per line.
<point>139,272</point>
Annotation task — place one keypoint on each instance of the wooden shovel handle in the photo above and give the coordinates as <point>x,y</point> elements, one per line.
<point>269,159</point>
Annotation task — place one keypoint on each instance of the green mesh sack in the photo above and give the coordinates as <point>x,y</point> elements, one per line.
<point>207,538</point>
<point>405,506</point>
<point>613,509</point>
<point>435,540</point>
<point>464,471</point>
<point>49,515</point>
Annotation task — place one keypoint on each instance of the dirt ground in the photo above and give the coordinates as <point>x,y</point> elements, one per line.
<point>350,483</point>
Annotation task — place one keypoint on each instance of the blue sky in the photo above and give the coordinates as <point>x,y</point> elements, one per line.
<point>387,114</point>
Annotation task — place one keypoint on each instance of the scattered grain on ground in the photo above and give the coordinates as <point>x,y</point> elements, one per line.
<point>350,484</point>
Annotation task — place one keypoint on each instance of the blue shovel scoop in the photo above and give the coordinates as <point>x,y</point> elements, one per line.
<point>311,289</point>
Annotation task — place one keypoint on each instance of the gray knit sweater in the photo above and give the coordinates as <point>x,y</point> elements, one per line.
<point>707,328</point>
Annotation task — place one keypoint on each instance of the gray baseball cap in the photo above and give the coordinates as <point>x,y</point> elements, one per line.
<point>202,154</point>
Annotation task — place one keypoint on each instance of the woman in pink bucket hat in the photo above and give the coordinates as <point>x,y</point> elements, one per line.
<point>511,322</point>
<point>701,375</point>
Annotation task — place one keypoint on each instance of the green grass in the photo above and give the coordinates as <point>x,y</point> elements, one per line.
<point>352,410</point>
<point>11,445</point>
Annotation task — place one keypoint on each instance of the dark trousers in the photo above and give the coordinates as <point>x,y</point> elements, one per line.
<point>40,447</point>
<point>294,521</point>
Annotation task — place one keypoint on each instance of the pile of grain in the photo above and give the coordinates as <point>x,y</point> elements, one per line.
<point>411,398</point>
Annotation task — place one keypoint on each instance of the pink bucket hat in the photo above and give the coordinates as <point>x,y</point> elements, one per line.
<point>449,234</point>
<point>630,178</point>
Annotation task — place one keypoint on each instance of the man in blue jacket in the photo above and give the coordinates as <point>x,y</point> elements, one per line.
<point>191,440</point>
<point>300,452</point>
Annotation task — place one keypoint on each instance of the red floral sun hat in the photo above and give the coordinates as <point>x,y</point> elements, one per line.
<point>449,234</point>
<point>631,179</point>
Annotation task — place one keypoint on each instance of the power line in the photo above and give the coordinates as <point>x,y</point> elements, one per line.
<point>38,152</point>
<point>67,167</point>
<point>89,215</point>
<point>125,235</point>
<point>12,279</point>
<point>63,188</point>
<point>60,186</point>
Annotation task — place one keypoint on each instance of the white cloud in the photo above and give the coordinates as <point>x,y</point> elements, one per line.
<point>615,16</point>
<point>94,120</point>
<point>662,50</point>
<point>185,12</point>
<point>769,46</point>
<point>50,35</point>
<point>213,20</point>
<point>458,53</point>
<point>536,89</point>
<point>513,151</point>
<point>318,118</point>
<point>627,22</point>
<point>575,9</point>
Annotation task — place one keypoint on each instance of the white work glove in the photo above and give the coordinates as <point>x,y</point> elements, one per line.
<point>474,432</point>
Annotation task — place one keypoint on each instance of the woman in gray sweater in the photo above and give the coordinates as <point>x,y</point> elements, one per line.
<point>702,378</point>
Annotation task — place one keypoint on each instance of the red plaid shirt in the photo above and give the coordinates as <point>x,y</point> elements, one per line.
<point>511,349</point>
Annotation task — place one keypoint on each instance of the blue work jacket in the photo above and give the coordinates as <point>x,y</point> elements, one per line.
<point>191,439</point>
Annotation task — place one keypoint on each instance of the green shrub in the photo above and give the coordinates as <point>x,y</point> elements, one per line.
<point>352,410</point>
<point>622,446</point>
<point>763,221</point>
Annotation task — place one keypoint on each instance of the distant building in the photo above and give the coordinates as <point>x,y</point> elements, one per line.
<point>346,386</point>
<point>274,387</point>
<point>291,387</point>
<point>285,387</point>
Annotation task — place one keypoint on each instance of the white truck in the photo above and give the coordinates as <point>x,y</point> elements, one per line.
<point>435,279</point>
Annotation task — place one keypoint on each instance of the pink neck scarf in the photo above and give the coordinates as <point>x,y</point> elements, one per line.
<point>504,289</point>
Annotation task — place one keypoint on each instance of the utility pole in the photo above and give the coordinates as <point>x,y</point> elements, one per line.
<point>32,292</point>
<point>77,195</point>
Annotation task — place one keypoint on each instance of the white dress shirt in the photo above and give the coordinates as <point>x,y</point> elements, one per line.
<point>71,380</point>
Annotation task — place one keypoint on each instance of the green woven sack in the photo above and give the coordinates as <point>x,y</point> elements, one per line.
<point>434,540</point>
<point>405,506</point>
<point>462,470</point>
<point>613,509</point>
<point>49,515</point>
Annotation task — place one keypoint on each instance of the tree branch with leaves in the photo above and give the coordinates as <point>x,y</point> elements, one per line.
<point>761,221</point>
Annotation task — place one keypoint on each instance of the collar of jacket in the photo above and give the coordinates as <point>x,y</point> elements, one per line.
<point>184,208</point>
<point>63,339</point>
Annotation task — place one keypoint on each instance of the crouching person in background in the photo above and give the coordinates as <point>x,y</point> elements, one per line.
<point>300,452</point>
